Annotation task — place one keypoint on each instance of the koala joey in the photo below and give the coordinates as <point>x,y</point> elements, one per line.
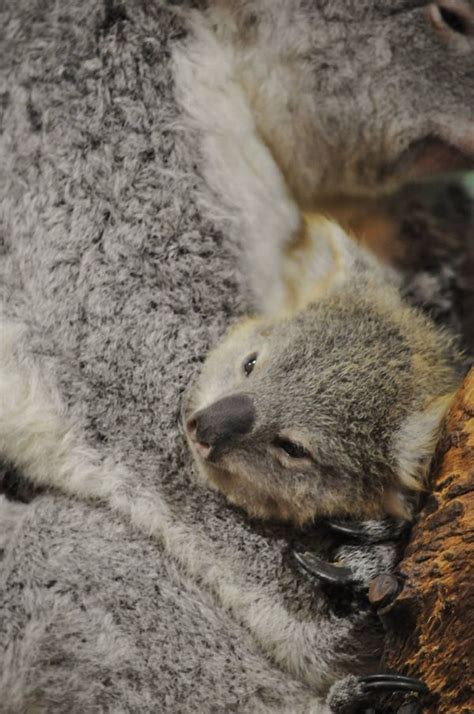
<point>328,409</point>
<point>331,406</point>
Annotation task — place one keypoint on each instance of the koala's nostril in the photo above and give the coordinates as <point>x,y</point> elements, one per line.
<point>203,449</point>
<point>223,422</point>
<point>191,426</point>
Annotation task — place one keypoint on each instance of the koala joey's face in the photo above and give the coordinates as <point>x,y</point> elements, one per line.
<point>292,419</point>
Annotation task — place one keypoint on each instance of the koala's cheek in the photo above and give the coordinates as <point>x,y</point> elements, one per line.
<point>251,491</point>
<point>344,501</point>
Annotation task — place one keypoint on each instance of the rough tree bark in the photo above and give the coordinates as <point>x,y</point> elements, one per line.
<point>430,624</point>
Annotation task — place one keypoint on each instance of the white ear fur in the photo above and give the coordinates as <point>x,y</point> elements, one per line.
<point>323,257</point>
<point>415,442</point>
<point>318,259</point>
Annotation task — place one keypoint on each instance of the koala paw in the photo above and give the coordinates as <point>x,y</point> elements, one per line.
<point>358,695</point>
<point>363,551</point>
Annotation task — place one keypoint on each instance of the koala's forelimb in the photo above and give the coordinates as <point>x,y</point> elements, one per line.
<point>237,163</point>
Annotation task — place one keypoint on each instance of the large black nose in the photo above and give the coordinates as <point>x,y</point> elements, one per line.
<point>223,422</point>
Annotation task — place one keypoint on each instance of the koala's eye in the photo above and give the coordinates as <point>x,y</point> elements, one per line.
<point>292,448</point>
<point>453,20</point>
<point>452,15</point>
<point>250,363</point>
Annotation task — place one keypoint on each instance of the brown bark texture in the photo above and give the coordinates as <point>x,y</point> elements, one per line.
<point>431,622</point>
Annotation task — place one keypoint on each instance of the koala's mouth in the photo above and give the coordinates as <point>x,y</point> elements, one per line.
<point>226,474</point>
<point>433,155</point>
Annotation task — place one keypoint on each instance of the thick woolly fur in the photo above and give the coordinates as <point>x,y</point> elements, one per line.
<point>36,433</point>
<point>121,268</point>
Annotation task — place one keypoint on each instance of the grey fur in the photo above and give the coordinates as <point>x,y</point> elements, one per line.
<point>123,284</point>
<point>437,226</point>
<point>102,620</point>
<point>343,694</point>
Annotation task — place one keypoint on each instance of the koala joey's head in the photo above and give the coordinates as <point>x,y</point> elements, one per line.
<point>370,92</point>
<point>333,411</point>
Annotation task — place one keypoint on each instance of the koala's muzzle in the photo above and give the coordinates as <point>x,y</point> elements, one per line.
<point>221,424</point>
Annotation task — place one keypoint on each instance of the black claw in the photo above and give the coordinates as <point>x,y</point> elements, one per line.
<point>391,677</point>
<point>392,683</point>
<point>349,528</point>
<point>363,534</point>
<point>326,572</point>
<point>384,590</point>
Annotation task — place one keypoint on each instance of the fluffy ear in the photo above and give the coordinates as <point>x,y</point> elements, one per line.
<point>322,256</point>
<point>413,448</point>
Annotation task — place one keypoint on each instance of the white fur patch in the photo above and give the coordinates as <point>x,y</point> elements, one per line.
<point>35,433</point>
<point>415,442</point>
<point>238,166</point>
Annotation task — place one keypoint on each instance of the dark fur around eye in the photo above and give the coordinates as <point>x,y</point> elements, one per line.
<point>291,448</point>
<point>249,363</point>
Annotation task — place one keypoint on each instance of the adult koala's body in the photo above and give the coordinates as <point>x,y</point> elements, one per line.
<point>354,96</point>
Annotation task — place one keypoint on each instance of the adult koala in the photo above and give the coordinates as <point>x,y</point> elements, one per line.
<point>123,281</point>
